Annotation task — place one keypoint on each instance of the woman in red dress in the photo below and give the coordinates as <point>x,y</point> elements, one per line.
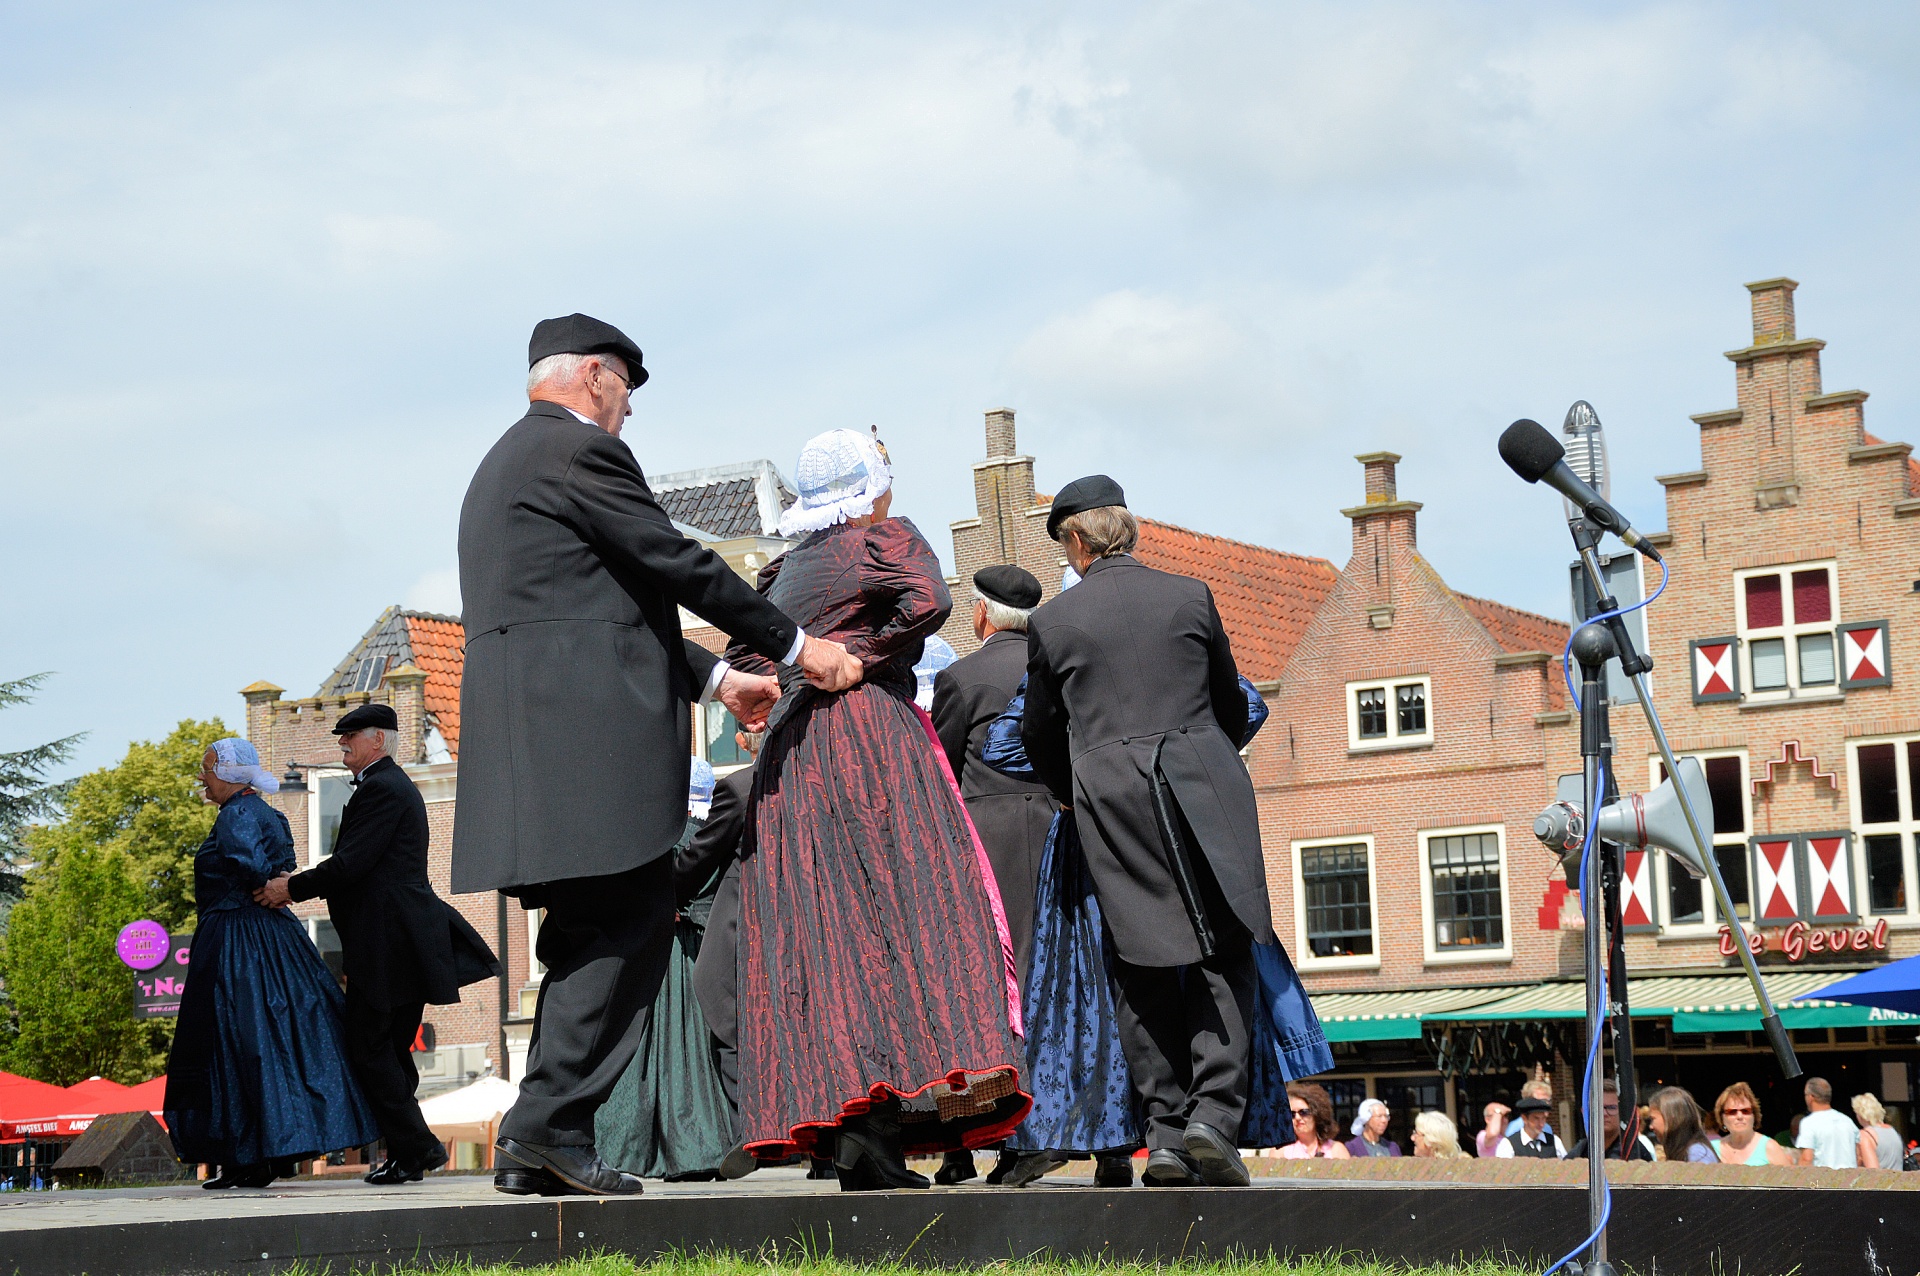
<point>878,1005</point>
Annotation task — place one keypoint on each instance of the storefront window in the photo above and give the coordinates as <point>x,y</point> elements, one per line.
<point>1468,910</point>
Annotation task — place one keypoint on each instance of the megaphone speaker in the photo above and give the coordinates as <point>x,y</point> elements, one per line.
<point>1656,819</point>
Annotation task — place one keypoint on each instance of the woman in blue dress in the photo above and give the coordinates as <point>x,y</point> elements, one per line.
<point>258,1079</point>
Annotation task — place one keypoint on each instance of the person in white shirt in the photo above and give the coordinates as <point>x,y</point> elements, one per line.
<point>1827,1138</point>
<point>1532,1139</point>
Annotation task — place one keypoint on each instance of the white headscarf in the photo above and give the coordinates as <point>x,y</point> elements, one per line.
<point>840,475</point>
<point>238,762</point>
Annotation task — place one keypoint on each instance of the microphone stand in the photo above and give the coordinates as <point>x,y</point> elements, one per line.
<point>1592,647</point>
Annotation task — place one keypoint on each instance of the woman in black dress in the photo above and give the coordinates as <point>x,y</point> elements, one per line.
<point>878,1001</point>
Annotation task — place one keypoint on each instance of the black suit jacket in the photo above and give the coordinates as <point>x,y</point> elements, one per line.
<point>1126,660</point>
<point>716,971</point>
<point>574,735</point>
<point>400,942</point>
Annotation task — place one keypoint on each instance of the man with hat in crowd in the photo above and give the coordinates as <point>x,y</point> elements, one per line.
<point>1532,1139</point>
<point>575,730</point>
<point>1010,815</point>
<point>402,945</point>
<point>1133,714</point>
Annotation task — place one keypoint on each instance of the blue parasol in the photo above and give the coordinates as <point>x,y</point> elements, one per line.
<point>1894,986</point>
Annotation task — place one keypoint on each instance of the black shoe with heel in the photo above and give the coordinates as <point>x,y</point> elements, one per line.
<point>955,1167</point>
<point>867,1157</point>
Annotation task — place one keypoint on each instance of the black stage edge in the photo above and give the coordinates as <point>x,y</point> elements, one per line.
<point>1711,1230</point>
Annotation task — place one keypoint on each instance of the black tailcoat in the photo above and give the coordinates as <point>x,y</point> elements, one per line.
<point>1010,815</point>
<point>574,736</point>
<point>1128,658</point>
<point>401,943</point>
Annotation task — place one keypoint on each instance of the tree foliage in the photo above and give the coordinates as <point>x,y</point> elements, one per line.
<point>26,794</point>
<point>149,808</point>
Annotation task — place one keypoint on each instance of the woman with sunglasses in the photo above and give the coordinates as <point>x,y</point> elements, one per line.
<point>1312,1124</point>
<point>1737,1113</point>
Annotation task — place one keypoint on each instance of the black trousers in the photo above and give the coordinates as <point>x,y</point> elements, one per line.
<point>716,980</point>
<point>380,1052</point>
<point>1185,1031</point>
<point>605,943</point>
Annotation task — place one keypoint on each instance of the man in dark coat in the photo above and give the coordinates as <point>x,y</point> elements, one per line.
<point>402,945</point>
<point>575,731</point>
<point>716,975</point>
<point>1131,688</point>
<point>1010,815</point>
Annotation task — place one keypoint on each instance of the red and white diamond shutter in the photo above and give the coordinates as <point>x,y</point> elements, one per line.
<point>1776,881</point>
<point>1829,863</point>
<point>1716,673</point>
<point>1636,891</point>
<point>1863,655</point>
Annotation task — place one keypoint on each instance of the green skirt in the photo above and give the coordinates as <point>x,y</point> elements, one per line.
<point>668,1116</point>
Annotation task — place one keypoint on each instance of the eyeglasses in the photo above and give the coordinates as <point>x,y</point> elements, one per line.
<point>1302,1112</point>
<point>1736,1111</point>
<point>631,386</point>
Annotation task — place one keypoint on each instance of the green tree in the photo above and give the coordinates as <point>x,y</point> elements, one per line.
<point>149,808</point>
<point>26,794</point>
<point>71,998</point>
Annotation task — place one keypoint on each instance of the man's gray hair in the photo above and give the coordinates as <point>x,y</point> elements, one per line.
<point>1105,530</point>
<point>563,368</point>
<point>389,741</point>
<point>1001,616</point>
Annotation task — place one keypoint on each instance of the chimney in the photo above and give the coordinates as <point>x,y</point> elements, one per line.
<point>1383,531</point>
<point>1000,433</point>
<point>261,698</point>
<point>1772,310</point>
<point>1379,466</point>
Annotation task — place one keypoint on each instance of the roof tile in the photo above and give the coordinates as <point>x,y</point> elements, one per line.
<point>440,650</point>
<point>1266,597</point>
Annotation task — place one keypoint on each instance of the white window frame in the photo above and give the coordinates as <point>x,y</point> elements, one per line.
<point>1436,956</point>
<point>1906,827</point>
<point>1790,631</point>
<point>1302,953</point>
<point>1394,739</point>
<point>1710,920</point>
<point>314,776</point>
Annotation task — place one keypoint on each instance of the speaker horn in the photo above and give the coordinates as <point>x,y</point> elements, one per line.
<point>1656,819</point>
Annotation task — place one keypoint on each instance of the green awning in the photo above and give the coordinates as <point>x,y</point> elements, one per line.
<point>1719,1002</point>
<point>1393,1016</point>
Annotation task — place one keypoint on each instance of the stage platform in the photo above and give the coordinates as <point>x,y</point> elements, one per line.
<point>1667,1219</point>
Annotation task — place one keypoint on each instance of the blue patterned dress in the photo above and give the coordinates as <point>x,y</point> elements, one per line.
<point>1083,1096</point>
<point>258,1071</point>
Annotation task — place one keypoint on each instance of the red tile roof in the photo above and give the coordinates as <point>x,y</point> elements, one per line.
<point>1517,630</point>
<point>440,651</point>
<point>1266,597</point>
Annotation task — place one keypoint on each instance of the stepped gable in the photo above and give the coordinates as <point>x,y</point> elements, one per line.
<point>1266,597</point>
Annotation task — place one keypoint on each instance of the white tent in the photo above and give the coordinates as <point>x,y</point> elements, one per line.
<point>472,1113</point>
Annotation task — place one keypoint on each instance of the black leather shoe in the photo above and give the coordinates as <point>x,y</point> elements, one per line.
<point>1168,1168</point>
<point>1218,1159</point>
<point>820,1167</point>
<point>394,1171</point>
<point>1032,1167</point>
<point>240,1176</point>
<point>1113,1169</point>
<point>998,1174</point>
<point>955,1167</point>
<point>578,1167</point>
<point>738,1163</point>
<point>523,1182</point>
<point>867,1158</point>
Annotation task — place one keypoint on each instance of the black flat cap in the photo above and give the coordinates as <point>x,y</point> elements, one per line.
<point>1531,1105</point>
<point>1009,585</point>
<point>367,715</point>
<point>1089,493</point>
<point>583,334</point>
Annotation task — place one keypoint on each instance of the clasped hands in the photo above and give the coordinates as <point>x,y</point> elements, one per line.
<point>274,893</point>
<point>750,697</point>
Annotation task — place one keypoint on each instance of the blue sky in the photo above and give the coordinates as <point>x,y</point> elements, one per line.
<point>268,274</point>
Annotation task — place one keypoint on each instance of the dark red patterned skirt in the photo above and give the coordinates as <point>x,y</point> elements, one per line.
<point>872,968</point>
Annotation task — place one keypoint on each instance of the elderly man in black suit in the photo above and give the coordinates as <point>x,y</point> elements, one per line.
<point>1010,815</point>
<point>575,731</point>
<point>402,945</point>
<point>1133,710</point>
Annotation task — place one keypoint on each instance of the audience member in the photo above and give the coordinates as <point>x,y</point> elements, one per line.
<point>1826,1138</point>
<point>1370,1131</point>
<point>1434,1135</point>
<point>1879,1146</point>
<point>1737,1113</point>
<point>1487,1141</point>
<point>1538,1088</point>
<point>1675,1122</point>
<point>1312,1124</point>
<point>1640,1150</point>
<point>1532,1139</point>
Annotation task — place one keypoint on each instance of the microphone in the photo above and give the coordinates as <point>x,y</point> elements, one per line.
<point>1537,456</point>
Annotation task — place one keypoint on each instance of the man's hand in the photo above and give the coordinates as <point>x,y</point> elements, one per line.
<point>274,893</point>
<point>828,665</point>
<point>749,697</point>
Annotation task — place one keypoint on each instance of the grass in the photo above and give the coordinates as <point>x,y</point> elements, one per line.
<point>771,1265</point>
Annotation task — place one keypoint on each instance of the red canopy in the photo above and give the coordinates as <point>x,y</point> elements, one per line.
<point>34,1109</point>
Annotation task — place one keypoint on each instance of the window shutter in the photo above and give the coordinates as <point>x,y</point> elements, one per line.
<point>1863,655</point>
<point>1776,881</point>
<point>1716,673</point>
<point>1636,891</point>
<point>1829,863</point>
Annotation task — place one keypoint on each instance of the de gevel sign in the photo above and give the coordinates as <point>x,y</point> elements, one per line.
<point>1799,940</point>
